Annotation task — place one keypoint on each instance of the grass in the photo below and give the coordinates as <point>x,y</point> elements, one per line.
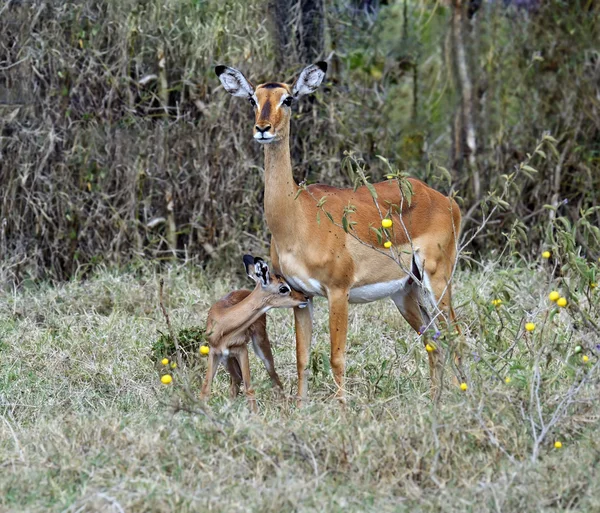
<point>87,426</point>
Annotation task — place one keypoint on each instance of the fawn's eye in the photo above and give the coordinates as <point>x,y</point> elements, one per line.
<point>252,102</point>
<point>288,101</point>
<point>283,289</point>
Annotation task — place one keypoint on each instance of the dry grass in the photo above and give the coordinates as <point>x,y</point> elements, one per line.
<point>87,426</point>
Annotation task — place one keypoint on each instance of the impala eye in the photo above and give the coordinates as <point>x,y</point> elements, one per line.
<point>288,101</point>
<point>283,289</point>
<point>252,102</point>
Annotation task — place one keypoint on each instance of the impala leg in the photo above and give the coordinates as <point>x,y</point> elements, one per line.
<point>409,303</point>
<point>213,365</point>
<point>443,296</point>
<point>304,326</point>
<point>245,365</point>
<point>338,331</point>
<point>235,374</point>
<point>262,348</point>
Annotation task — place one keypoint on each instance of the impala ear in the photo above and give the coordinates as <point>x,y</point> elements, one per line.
<point>261,269</point>
<point>257,269</point>
<point>234,81</point>
<point>310,78</point>
<point>249,265</point>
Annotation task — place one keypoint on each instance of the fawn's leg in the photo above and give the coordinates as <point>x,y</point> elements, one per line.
<point>213,365</point>
<point>245,365</point>
<point>262,348</point>
<point>235,374</point>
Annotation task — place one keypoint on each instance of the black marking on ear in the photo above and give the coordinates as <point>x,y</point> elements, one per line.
<point>248,260</point>
<point>322,65</point>
<point>220,69</point>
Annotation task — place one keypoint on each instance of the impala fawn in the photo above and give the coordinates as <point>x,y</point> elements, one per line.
<point>239,317</point>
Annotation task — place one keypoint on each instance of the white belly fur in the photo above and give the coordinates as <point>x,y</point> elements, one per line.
<point>300,280</point>
<point>375,291</point>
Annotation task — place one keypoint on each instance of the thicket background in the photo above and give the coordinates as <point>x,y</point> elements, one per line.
<point>118,141</point>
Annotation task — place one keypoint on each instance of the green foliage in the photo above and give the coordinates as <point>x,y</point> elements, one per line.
<point>189,340</point>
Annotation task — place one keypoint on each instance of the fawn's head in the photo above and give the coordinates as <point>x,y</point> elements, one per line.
<point>272,101</point>
<point>273,290</point>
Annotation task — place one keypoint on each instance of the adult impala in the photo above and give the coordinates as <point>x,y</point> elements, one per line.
<point>319,258</point>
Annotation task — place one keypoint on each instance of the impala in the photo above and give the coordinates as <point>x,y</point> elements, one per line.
<point>320,258</point>
<point>239,317</point>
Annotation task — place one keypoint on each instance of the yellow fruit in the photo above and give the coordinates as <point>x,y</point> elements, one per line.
<point>386,223</point>
<point>204,350</point>
<point>463,387</point>
<point>546,254</point>
<point>166,379</point>
<point>585,358</point>
<point>165,361</point>
<point>173,365</point>
<point>557,444</point>
<point>553,296</point>
<point>387,244</point>
<point>562,302</point>
<point>429,348</point>
<point>389,177</point>
<point>507,380</point>
<point>593,285</point>
<point>530,326</point>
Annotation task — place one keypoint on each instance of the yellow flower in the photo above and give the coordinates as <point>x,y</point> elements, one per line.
<point>553,296</point>
<point>166,379</point>
<point>204,350</point>
<point>546,254</point>
<point>585,358</point>
<point>165,361</point>
<point>593,285</point>
<point>389,177</point>
<point>173,365</point>
<point>507,380</point>
<point>562,302</point>
<point>429,348</point>
<point>463,387</point>
<point>387,244</point>
<point>557,444</point>
<point>530,326</point>
<point>496,302</point>
<point>386,223</point>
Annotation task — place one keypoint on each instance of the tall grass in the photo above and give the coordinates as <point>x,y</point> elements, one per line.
<point>86,423</point>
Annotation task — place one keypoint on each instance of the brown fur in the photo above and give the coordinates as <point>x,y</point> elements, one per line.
<point>236,319</point>
<point>301,246</point>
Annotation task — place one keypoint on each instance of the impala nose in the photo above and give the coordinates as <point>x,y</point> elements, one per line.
<point>262,129</point>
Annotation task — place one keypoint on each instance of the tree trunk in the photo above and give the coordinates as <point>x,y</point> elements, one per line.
<point>311,30</point>
<point>465,139</point>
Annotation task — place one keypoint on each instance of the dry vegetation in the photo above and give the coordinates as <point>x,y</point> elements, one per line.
<point>117,141</point>
<point>117,144</point>
<point>87,425</point>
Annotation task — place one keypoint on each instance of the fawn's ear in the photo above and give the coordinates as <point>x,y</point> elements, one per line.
<point>249,265</point>
<point>261,269</point>
<point>234,81</point>
<point>310,78</point>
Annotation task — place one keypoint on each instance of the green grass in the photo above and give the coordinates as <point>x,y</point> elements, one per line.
<point>87,426</point>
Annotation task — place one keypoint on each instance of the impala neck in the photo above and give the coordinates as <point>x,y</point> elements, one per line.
<point>280,188</point>
<point>241,316</point>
